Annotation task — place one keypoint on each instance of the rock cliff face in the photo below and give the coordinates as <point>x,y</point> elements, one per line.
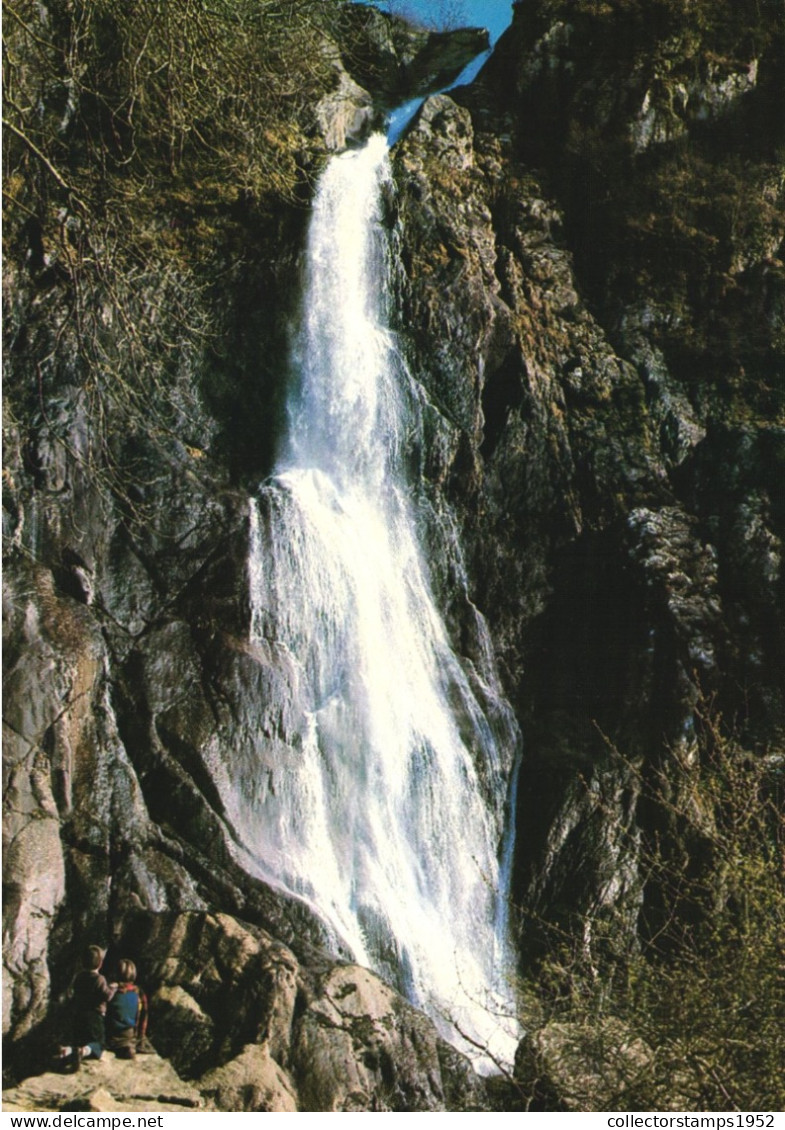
<point>593,290</point>
<point>600,338</point>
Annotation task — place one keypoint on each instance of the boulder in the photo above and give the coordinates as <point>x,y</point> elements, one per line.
<point>184,1029</point>
<point>252,1081</point>
<point>219,985</point>
<point>345,116</point>
<point>361,1047</point>
<point>396,60</point>
<point>582,1066</point>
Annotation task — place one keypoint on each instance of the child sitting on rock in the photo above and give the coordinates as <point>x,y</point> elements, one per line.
<point>126,1014</point>
<point>91,993</point>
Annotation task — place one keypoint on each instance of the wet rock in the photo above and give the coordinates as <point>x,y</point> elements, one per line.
<point>557,445</point>
<point>589,414</point>
<point>361,1047</point>
<point>345,116</point>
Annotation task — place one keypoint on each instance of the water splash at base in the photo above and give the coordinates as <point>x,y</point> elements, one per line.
<point>390,819</point>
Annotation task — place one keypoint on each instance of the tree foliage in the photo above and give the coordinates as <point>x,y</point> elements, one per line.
<point>690,1015</point>
<point>218,88</point>
<point>139,138</point>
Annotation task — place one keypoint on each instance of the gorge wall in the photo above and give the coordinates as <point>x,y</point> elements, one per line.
<point>593,291</point>
<point>591,295</point>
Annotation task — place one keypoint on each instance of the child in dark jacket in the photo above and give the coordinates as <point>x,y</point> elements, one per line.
<point>91,993</point>
<point>126,1013</point>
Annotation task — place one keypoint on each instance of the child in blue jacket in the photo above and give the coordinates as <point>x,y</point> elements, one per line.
<point>126,1013</point>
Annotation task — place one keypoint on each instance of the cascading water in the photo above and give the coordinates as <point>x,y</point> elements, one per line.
<point>390,819</point>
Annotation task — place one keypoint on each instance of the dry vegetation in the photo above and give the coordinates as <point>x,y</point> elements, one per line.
<point>129,97</point>
<point>141,140</point>
<point>691,1014</point>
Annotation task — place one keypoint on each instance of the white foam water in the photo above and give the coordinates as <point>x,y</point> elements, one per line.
<point>391,819</point>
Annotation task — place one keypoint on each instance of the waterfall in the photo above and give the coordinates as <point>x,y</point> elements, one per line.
<point>390,819</point>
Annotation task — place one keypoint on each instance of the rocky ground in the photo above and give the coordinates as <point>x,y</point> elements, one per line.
<point>147,1085</point>
<point>251,1029</point>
